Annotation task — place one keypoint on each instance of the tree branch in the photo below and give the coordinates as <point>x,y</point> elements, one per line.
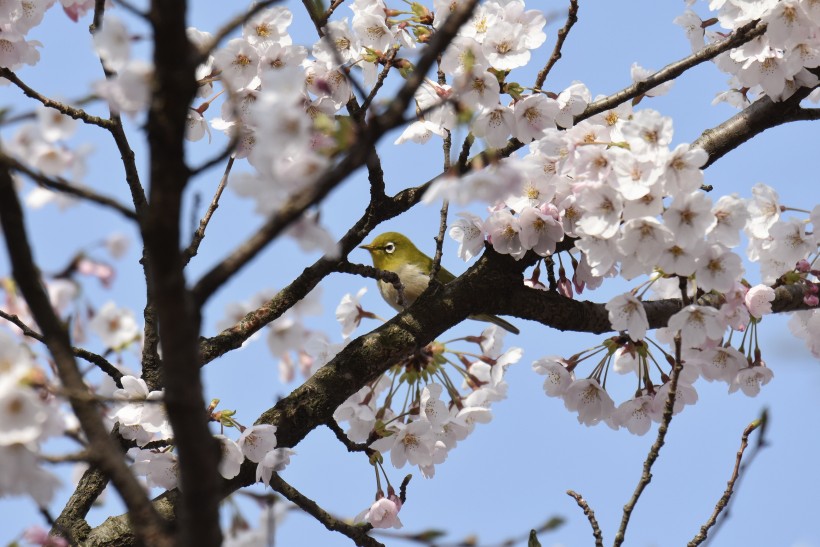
<point>173,89</point>
<point>572,18</point>
<point>723,502</point>
<point>670,72</point>
<point>646,476</point>
<point>761,115</point>
<point>199,235</point>
<point>590,514</point>
<point>59,184</point>
<point>358,533</point>
<point>98,360</point>
<point>76,113</point>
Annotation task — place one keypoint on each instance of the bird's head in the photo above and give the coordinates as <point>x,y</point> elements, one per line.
<point>391,250</point>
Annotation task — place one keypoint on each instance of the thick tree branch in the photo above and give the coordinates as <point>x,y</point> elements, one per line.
<point>148,525</point>
<point>173,89</point>
<point>761,115</point>
<point>491,285</point>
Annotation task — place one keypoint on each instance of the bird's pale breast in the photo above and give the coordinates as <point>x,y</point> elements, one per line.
<point>414,281</point>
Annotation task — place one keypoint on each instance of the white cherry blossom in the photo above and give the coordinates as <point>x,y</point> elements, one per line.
<point>749,379</point>
<point>589,400</point>
<point>697,324</point>
<point>626,313</point>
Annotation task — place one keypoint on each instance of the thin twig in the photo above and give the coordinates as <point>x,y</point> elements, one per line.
<point>98,360</point>
<point>590,514</point>
<point>59,184</point>
<point>333,5</point>
<point>199,235</point>
<point>671,71</point>
<point>74,457</point>
<point>375,273</point>
<point>725,499</point>
<point>388,64</point>
<point>646,476</point>
<point>572,18</point>
<point>76,113</point>
<point>358,533</point>
<point>442,227</point>
<point>345,440</point>
<point>31,114</point>
<point>445,204</point>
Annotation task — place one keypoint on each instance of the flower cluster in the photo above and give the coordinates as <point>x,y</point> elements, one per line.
<point>777,63</point>
<point>427,426</point>
<point>496,40</point>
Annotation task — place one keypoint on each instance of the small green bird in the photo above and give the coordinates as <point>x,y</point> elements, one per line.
<point>393,252</point>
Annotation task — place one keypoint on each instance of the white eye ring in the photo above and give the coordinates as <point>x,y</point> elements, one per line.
<point>389,248</point>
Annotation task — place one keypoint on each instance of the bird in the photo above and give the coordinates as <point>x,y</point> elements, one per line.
<point>394,252</point>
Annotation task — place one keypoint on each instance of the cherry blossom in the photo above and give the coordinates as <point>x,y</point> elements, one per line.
<point>697,324</point>
<point>634,414</point>
<point>349,312</point>
<point>469,232</point>
<point>115,326</point>
<point>274,461</point>
<point>412,442</point>
<point>749,380</point>
<point>589,400</point>
<point>231,459</point>
<point>718,269</point>
<point>533,115</point>
<point>558,376</point>
<point>626,313</point>
<point>384,513</point>
<point>759,300</point>
<point>257,440</point>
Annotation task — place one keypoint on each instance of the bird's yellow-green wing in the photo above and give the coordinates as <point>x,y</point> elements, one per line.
<point>445,277</point>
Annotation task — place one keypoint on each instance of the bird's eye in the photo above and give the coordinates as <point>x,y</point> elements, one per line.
<point>389,248</point>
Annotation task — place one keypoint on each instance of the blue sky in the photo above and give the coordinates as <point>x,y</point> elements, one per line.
<point>512,474</point>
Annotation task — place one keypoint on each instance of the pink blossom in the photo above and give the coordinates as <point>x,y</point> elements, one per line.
<point>384,513</point>
<point>40,536</point>
<point>759,300</point>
